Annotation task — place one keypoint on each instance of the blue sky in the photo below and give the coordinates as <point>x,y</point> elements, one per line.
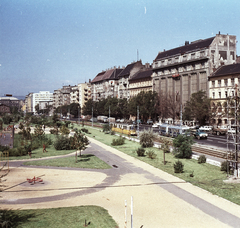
<point>46,44</point>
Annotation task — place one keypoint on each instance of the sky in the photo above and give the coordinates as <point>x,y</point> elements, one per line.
<point>46,44</point>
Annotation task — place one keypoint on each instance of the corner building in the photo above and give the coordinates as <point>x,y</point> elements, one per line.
<point>185,70</point>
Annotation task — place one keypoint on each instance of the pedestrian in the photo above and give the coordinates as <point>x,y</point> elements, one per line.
<point>44,148</point>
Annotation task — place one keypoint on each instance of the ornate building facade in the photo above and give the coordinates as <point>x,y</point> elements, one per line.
<point>185,70</point>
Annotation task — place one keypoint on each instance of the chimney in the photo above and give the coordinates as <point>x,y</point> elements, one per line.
<point>186,42</point>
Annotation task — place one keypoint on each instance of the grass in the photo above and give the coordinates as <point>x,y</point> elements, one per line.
<point>60,217</point>
<point>205,176</point>
<point>85,161</point>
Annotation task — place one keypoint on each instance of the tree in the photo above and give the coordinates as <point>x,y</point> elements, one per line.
<point>88,106</point>
<point>183,146</point>
<point>79,142</point>
<point>198,108</point>
<point>37,108</point>
<point>75,109</point>
<point>147,103</point>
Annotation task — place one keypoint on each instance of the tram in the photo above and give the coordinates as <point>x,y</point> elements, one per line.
<point>172,130</point>
<point>124,129</point>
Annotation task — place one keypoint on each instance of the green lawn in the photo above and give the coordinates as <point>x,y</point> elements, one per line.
<point>206,176</point>
<point>85,161</point>
<point>60,217</point>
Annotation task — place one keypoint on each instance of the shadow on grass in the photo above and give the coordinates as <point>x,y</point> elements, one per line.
<point>14,218</point>
<point>85,157</point>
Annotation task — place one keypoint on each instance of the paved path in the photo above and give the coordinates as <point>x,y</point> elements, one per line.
<point>159,199</point>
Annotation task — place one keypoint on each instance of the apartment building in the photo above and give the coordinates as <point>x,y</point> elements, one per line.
<point>105,84</point>
<point>185,70</point>
<point>45,97</point>
<point>62,96</point>
<point>224,85</point>
<point>141,81</point>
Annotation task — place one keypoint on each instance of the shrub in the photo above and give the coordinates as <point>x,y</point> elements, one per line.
<point>202,159</point>
<point>64,130</point>
<point>178,167</point>
<point>183,146</point>
<point>146,138</point>
<point>85,130</point>
<point>151,154</point>
<point>106,128</point>
<point>62,143</point>
<point>141,152</point>
<point>118,142</point>
<point>225,166</point>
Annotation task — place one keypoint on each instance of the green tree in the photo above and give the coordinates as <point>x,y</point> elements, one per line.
<point>88,106</point>
<point>79,141</point>
<point>198,108</point>
<point>37,108</point>
<point>183,146</point>
<point>75,109</point>
<point>147,103</point>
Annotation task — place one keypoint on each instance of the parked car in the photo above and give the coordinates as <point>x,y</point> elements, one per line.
<point>206,128</point>
<point>149,121</point>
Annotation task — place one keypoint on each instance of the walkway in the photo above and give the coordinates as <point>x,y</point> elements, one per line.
<point>159,199</point>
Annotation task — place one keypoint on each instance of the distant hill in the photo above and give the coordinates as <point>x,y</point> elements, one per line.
<point>20,97</point>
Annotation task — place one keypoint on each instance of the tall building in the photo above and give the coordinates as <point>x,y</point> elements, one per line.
<point>42,96</point>
<point>185,70</point>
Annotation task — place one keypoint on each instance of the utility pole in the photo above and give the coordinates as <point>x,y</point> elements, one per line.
<point>138,121</point>
<point>92,116</point>
<point>109,116</point>
<point>236,130</point>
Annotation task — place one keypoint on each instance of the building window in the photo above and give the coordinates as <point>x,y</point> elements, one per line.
<point>219,94</point>
<point>213,95</point>
<point>225,82</point>
<point>184,58</point>
<point>226,94</point>
<point>193,56</point>
<point>202,54</point>
<point>219,83</point>
<point>213,84</point>
<point>232,81</point>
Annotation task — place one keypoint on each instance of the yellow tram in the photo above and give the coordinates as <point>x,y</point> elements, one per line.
<point>124,129</point>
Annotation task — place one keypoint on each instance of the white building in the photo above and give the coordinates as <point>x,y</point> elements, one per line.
<point>42,96</point>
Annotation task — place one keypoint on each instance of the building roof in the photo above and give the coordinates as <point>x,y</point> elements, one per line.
<point>9,98</point>
<point>107,75</point>
<point>200,44</point>
<point>227,70</point>
<point>127,70</point>
<point>141,75</point>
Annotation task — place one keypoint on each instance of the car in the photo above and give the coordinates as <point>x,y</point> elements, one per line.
<point>155,125</point>
<point>206,128</point>
<point>231,131</point>
<point>149,121</point>
<point>200,134</point>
